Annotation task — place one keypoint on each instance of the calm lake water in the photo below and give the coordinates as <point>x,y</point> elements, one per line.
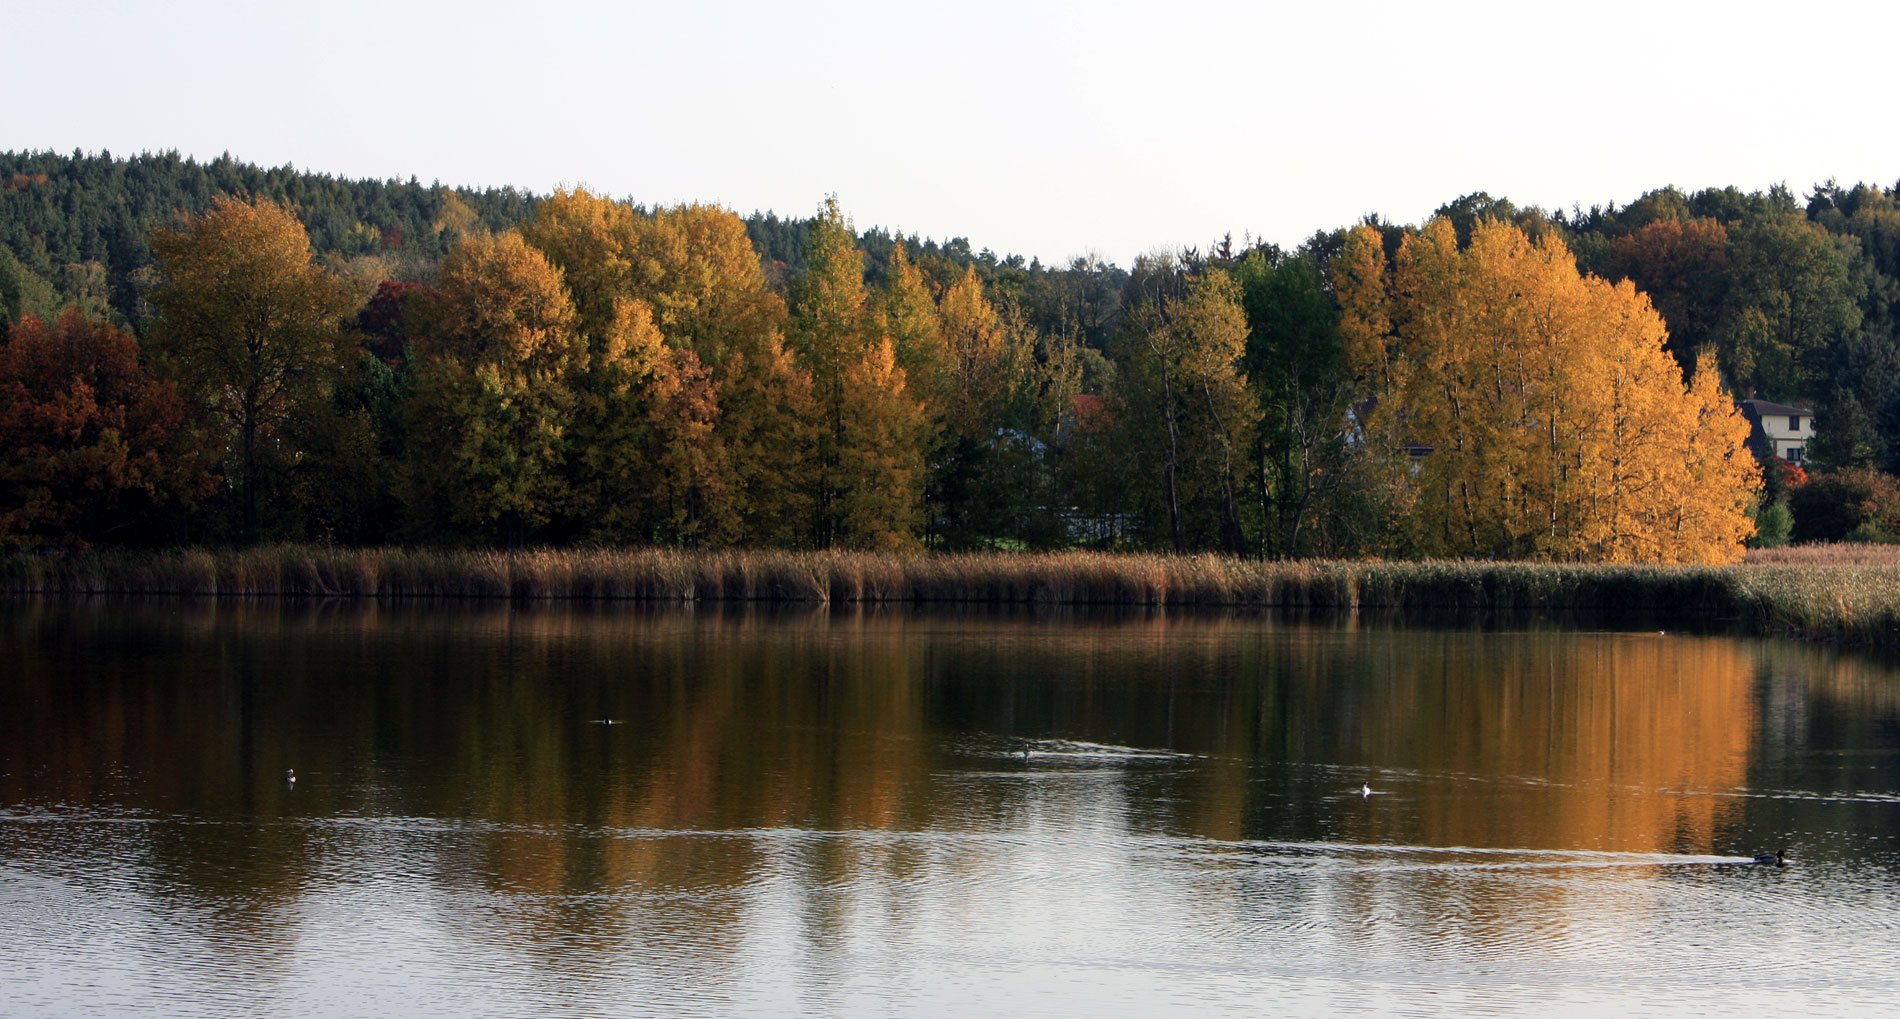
<point>617,811</point>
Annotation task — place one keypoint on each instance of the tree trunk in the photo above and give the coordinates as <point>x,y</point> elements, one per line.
<point>1174,495</point>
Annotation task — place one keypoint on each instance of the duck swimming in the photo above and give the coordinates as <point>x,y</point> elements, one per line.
<point>1778,858</point>
<point>1365,790</point>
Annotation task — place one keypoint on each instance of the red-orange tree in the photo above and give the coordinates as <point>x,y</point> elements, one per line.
<point>89,440</point>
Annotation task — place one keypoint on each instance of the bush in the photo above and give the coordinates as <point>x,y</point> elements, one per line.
<point>1868,532</point>
<point>1774,522</point>
<point>1835,504</point>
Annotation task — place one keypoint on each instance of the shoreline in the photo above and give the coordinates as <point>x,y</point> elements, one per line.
<point>1852,601</point>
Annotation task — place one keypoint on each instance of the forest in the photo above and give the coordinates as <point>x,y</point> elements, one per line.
<point>217,353</point>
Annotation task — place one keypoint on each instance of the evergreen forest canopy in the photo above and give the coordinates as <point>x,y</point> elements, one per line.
<point>222,353</point>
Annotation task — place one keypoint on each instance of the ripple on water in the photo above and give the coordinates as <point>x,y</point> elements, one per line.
<point>1064,750</point>
<point>399,908</point>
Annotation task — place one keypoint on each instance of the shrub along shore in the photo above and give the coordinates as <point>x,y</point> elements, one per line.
<point>1840,596</point>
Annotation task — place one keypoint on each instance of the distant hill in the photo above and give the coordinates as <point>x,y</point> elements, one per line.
<point>74,228</point>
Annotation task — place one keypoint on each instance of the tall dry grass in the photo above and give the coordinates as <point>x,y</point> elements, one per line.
<point>1838,553</point>
<point>1844,595</point>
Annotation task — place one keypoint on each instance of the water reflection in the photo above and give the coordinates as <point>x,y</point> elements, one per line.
<point>817,811</point>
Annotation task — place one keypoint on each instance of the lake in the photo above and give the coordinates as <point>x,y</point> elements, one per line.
<point>509,810</point>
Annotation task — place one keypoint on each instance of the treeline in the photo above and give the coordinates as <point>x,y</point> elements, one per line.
<point>363,362</point>
<point>74,231</point>
<point>599,373</point>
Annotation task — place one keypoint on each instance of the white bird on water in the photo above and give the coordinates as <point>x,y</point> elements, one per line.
<point>1364,790</point>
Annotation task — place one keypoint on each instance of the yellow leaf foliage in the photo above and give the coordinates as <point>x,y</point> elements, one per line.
<point>493,387</point>
<point>867,440</point>
<point>880,464</point>
<point>1557,425</point>
<point>908,315</point>
<point>247,323</point>
<point>687,430</point>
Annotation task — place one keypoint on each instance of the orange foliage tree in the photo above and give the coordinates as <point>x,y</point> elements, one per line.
<point>1550,421</point>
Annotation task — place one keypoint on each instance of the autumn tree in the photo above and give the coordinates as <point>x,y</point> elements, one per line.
<point>987,471</point>
<point>643,463</point>
<point>381,320</point>
<point>91,445</point>
<point>688,428</point>
<point>907,312</point>
<point>1682,264</point>
<point>867,487</point>
<point>1548,419</point>
<point>248,324</point>
<point>640,464</point>
<point>697,267</point>
<point>495,361</point>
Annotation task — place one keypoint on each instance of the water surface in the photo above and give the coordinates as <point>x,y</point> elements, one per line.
<point>512,810</point>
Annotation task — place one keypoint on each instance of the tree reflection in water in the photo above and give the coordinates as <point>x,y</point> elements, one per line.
<point>803,789</point>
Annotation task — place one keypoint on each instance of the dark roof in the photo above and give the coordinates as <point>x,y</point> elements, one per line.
<point>1764,407</point>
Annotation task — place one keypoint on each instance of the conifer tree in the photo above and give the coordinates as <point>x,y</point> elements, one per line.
<point>908,314</point>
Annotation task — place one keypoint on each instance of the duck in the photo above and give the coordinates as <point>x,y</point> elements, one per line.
<point>1365,790</point>
<point>1777,858</point>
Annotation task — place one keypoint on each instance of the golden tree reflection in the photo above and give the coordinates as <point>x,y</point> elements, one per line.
<point>585,778</point>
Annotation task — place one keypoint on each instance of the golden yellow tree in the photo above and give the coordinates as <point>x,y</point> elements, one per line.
<point>644,461</point>
<point>1550,421</point>
<point>1365,325</point>
<point>697,268</point>
<point>867,489</point>
<point>695,438</point>
<point>1702,515</point>
<point>494,373</point>
<point>981,360</point>
<point>879,461</point>
<point>908,314</point>
<point>248,323</point>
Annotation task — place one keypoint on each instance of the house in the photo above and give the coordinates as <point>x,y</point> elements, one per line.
<point>1782,429</point>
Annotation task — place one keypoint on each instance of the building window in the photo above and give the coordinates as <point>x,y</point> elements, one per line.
<point>1794,454</point>
<point>1794,424</point>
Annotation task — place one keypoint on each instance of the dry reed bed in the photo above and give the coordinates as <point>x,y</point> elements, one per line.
<point>1851,596</point>
<point>1843,553</point>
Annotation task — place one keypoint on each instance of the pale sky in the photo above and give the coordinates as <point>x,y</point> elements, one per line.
<point>1045,129</point>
